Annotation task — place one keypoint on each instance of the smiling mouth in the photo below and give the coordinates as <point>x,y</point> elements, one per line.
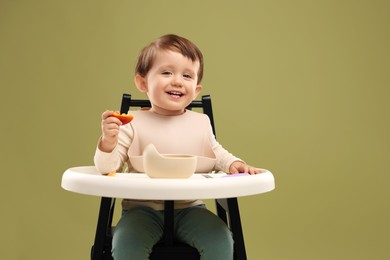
<point>175,93</point>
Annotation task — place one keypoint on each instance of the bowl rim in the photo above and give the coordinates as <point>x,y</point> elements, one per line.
<point>177,156</point>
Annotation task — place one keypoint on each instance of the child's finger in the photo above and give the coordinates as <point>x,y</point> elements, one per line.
<point>106,114</point>
<point>233,170</point>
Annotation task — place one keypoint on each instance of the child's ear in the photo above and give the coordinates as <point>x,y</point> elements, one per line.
<point>198,89</point>
<point>140,83</point>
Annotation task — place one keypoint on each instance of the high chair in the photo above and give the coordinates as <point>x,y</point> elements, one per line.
<point>168,248</point>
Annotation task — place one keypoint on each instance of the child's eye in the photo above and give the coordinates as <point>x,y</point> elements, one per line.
<point>166,73</point>
<point>187,76</point>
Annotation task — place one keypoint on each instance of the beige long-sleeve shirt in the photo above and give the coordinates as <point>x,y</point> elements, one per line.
<point>188,133</point>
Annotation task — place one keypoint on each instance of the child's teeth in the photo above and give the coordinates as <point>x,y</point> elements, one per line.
<point>175,93</point>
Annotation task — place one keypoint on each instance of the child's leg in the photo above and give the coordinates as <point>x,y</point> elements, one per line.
<point>138,230</point>
<point>202,229</point>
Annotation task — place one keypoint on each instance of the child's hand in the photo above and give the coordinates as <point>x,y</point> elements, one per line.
<point>110,130</point>
<point>240,167</point>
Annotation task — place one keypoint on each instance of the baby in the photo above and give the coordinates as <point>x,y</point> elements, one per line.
<point>169,71</point>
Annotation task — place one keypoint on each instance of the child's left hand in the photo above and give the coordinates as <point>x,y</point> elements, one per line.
<point>240,167</point>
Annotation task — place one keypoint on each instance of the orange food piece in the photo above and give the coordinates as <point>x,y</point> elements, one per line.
<point>111,173</point>
<point>124,118</point>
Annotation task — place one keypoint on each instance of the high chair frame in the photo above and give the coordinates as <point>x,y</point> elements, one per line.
<point>227,209</point>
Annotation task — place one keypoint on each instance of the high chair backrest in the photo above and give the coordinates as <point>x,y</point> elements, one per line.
<point>204,103</point>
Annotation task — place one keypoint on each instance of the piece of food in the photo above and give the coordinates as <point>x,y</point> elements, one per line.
<point>124,118</point>
<point>111,173</point>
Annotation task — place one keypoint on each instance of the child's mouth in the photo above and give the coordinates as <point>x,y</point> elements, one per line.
<point>175,93</point>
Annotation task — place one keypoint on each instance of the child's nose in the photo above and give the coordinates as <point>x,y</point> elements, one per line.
<point>177,81</point>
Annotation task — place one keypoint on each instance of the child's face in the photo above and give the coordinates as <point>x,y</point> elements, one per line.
<point>171,83</point>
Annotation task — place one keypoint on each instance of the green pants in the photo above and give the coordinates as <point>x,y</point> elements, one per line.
<point>140,228</point>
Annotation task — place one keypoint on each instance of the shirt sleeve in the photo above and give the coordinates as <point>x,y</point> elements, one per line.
<point>224,158</point>
<point>115,160</point>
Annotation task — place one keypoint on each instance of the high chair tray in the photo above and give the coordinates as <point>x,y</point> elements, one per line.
<point>87,180</point>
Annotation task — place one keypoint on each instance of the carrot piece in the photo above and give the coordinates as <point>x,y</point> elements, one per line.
<point>124,118</point>
<point>111,174</point>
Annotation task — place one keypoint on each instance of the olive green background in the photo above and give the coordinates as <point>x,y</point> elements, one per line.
<point>299,87</point>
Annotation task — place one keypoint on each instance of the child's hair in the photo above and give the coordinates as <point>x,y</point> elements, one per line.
<point>168,42</point>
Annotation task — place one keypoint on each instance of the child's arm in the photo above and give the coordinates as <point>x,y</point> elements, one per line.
<point>111,151</point>
<point>228,162</point>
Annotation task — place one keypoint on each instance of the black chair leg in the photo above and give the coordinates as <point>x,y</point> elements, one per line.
<point>235,225</point>
<point>221,206</point>
<point>229,207</point>
<point>104,223</point>
<point>168,222</point>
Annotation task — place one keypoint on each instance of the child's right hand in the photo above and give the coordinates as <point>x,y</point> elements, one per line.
<point>110,130</point>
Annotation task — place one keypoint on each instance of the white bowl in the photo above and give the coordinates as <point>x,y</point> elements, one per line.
<point>203,165</point>
<point>173,166</point>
